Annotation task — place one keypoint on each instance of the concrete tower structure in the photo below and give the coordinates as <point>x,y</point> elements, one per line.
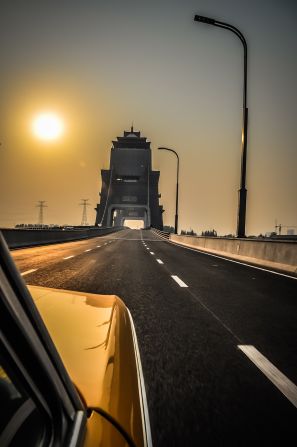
<point>130,188</point>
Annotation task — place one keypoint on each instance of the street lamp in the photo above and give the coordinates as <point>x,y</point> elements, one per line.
<point>176,196</point>
<point>242,191</point>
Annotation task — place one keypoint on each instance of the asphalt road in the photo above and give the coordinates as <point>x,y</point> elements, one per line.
<point>202,389</point>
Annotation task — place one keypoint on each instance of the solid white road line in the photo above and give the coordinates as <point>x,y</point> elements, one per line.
<point>179,281</point>
<point>288,388</point>
<point>68,257</point>
<point>98,246</point>
<point>141,388</point>
<point>28,271</point>
<point>152,253</point>
<point>160,262</point>
<point>89,249</point>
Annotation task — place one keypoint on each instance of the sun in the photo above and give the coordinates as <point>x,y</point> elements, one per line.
<point>48,126</point>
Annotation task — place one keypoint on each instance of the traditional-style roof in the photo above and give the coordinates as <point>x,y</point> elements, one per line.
<point>131,139</point>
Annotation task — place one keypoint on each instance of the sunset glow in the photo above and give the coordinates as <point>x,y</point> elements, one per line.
<point>48,126</point>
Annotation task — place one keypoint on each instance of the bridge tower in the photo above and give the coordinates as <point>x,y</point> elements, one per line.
<point>130,187</point>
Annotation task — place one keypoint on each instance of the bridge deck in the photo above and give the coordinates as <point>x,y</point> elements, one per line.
<point>191,312</point>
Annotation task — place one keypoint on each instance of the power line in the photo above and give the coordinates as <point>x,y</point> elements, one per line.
<point>41,205</point>
<point>84,219</point>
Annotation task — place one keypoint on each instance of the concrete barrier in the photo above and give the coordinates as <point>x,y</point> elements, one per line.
<point>278,255</point>
<point>17,238</point>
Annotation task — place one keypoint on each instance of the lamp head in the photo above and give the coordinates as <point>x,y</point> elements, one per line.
<point>203,19</point>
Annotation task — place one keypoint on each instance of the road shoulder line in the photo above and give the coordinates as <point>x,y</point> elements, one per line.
<point>198,250</point>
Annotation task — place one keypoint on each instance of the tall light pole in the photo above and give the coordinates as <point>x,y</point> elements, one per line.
<point>242,191</point>
<point>176,195</point>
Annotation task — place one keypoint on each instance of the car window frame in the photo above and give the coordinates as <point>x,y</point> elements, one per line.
<point>29,356</point>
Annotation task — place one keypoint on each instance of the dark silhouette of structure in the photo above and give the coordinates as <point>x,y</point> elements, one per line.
<point>130,187</point>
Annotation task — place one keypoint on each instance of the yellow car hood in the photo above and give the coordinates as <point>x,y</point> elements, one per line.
<point>93,336</point>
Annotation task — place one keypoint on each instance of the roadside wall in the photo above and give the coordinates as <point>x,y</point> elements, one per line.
<point>16,238</point>
<point>278,255</point>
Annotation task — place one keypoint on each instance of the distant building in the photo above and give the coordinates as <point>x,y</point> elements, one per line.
<point>130,188</point>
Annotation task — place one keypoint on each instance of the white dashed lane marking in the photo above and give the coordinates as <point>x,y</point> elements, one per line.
<point>89,249</point>
<point>68,257</point>
<point>179,281</point>
<point>288,388</point>
<point>98,246</point>
<point>152,253</point>
<point>160,262</point>
<point>28,271</point>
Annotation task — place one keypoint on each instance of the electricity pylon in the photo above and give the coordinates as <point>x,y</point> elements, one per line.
<point>84,219</point>
<point>41,205</point>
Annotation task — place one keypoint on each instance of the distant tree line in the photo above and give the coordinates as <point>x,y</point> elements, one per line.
<point>188,232</point>
<point>38,226</point>
<point>191,232</point>
<point>168,229</point>
<point>211,233</point>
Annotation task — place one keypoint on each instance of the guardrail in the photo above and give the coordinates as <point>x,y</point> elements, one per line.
<point>17,238</point>
<point>161,233</point>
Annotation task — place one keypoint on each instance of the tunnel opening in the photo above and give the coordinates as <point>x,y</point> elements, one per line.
<point>138,216</point>
<point>134,224</point>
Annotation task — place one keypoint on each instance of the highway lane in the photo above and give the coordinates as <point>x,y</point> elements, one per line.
<point>46,255</point>
<point>258,307</point>
<point>202,390</point>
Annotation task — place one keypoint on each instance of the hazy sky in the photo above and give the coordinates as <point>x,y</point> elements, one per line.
<point>103,64</point>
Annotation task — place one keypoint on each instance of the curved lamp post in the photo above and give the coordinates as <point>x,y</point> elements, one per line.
<point>176,196</point>
<point>242,191</point>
